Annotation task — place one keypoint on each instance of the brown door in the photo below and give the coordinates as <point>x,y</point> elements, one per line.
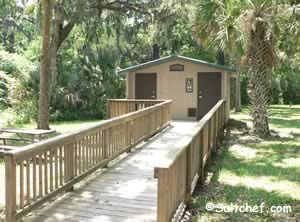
<point>145,86</point>
<point>209,91</point>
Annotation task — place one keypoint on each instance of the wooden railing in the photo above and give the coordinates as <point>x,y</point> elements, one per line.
<point>118,107</point>
<point>178,176</point>
<point>40,171</point>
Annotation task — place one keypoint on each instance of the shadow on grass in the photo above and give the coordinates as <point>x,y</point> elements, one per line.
<point>263,166</point>
<point>284,123</point>
<point>269,161</point>
<point>280,116</point>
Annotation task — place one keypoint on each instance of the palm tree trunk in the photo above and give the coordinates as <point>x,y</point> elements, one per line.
<point>261,57</point>
<point>259,99</point>
<point>43,121</point>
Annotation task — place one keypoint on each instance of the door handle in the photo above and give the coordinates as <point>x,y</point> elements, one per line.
<point>200,97</point>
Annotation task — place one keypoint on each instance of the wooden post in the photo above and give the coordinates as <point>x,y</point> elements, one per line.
<point>201,162</point>
<point>162,195</point>
<point>208,125</point>
<point>129,135</point>
<point>222,121</point>
<point>105,145</point>
<point>188,190</point>
<point>10,188</point>
<point>108,109</point>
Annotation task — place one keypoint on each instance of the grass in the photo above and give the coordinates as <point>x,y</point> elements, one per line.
<point>252,171</point>
<point>7,116</point>
<point>280,117</point>
<point>61,127</point>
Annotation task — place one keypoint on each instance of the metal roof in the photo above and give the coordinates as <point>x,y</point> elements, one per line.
<point>171,58</point>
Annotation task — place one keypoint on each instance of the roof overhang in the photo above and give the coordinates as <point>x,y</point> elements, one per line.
<point>172,58</point>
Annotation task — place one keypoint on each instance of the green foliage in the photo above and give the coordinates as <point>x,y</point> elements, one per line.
<point>87,77</point>
<point>104,41</point>
<point>15,86</point>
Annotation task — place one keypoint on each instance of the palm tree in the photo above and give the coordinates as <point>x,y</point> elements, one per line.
<point>260,59</point>
<point>251,23</point>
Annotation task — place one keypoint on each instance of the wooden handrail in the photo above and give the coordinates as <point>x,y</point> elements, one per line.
<point>38,172</point>
<point>178,175</point>
<point>117,107</point>
<point>21,152</point>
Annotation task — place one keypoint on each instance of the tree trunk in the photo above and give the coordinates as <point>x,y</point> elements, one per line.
<point>57,26</point>
<point>43,121</point>
<point>261,60</point>
<point>259,87</point>
<point>259,99</point>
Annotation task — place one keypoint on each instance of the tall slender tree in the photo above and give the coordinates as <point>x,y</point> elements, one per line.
<point>43,122</point>
<point>260,59</point>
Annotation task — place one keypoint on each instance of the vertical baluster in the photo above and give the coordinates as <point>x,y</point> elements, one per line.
<point>66,170</point>
<point>94,137</point>
<point>79,156</point>
<point>118,139</point>
<point>112,141</point>
<point>51,169</point>
<point>56,167</point>
<point>82,162</point>
<point>34,181</point>
<point>21,184</point>
<point>104,143</point>
<point>90,147</point>
<point>71,160</point>
<point>99,146</point>
<point>115,142</point>
<point>46,172</point>
<point>40,175</point>
<point>86,146</point>
<point>10,188</point>
<point>96,147</point>
<point>61,172</point>
<point>28,181</point>
<point>75,154</point>
<point>109,144</point>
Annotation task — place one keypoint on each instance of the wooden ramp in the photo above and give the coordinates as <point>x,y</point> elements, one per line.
<point>125,191</point>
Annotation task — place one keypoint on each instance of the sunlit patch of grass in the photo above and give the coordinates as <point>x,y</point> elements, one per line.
<point>280,116</point>
<point>242,151</point>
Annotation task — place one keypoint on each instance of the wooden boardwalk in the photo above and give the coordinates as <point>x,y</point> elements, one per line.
<point>125,191</point>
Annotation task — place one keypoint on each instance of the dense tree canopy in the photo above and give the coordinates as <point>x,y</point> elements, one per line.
<point>90,40</point>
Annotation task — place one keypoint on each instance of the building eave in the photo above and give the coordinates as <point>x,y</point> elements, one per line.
<point>171,58</point>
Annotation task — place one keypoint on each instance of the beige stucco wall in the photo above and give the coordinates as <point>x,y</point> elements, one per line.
<point>171,85</point>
